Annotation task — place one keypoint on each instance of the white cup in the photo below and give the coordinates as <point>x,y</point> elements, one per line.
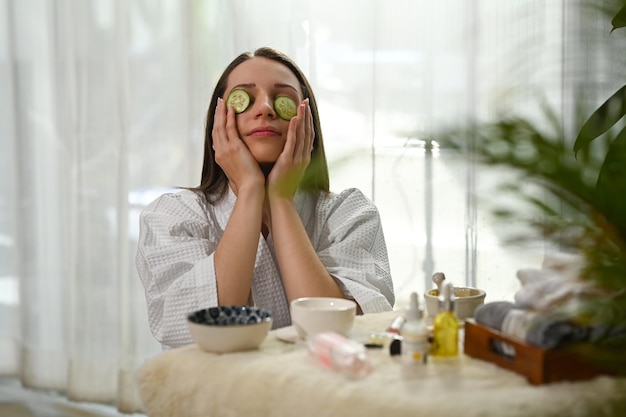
<point>313,315</point>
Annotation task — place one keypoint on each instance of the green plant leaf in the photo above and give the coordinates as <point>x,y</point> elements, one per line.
<point>619,21</point>
<point>609,113</point>
<point>611,185</point>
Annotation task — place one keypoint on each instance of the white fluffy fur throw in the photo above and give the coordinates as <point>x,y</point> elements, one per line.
<point>282,380</point>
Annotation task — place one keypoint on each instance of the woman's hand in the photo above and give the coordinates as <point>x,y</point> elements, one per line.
<point>289,169</point>
<point>234,258</point>
<point>231,153</point>
<point>302,271</point>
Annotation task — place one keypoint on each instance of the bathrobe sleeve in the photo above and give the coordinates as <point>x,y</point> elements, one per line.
<point>175,263</point>
<point>351,244</point>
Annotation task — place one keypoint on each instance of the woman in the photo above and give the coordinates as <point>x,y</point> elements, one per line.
<point>262,228</point>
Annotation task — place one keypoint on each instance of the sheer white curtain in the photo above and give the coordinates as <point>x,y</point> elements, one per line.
<point>97,106</point>
<point>102,108</point>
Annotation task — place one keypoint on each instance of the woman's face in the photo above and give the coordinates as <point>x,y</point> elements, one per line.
<point>260,127</point>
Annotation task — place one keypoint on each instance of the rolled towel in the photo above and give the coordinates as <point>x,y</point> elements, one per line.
<point>549,331</point>
<point>546,290</point>
<point>608,333</point>
<point>544,330</point>
<point>567,263</point>
<point>493,314</point>
<point>555,284</point>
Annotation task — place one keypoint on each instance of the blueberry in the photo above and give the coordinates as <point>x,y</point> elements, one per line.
<point>214,312</point>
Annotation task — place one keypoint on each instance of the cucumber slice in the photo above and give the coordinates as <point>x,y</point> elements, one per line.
<point>239,99</point>
<point>285,107</point>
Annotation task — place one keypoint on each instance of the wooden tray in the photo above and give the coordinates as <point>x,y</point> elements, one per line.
<point>539,366</point>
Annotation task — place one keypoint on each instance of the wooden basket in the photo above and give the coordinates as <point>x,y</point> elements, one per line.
<point>539,366</point>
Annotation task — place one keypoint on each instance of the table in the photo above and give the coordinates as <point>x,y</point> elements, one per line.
<point>282,379</point>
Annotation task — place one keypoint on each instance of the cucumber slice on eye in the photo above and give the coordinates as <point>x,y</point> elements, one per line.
<point>239,100</point>
<point>285,107</point>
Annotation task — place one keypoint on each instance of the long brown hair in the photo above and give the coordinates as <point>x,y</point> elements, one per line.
<point>213,182</point>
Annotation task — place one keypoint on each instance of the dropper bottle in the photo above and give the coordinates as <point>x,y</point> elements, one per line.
<point>414,333</point>
<point>446,326</point>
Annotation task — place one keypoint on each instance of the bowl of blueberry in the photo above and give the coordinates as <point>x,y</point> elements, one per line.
<point>225,329</point>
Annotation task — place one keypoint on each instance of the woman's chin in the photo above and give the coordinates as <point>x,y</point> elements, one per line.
<point>264,158</point>
<point>265,151</point>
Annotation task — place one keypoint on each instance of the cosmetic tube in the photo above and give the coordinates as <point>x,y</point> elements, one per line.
<point>340,354</point>
<point>396,324</point>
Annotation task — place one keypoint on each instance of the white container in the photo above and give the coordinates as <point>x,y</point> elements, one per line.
<point>468,299</point>
<point>313,315</point>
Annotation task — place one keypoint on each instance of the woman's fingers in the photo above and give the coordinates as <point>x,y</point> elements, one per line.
<point>225,133</point>
<point>224,125</point>
<point>231,154</point>
<point>301,135</point>
<point>310,130</point>
<point>218,132</point>
<point>231,124</point>
<point>302,128</point>
<point>291,144</point>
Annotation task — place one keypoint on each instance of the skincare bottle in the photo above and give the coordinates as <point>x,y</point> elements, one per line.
<point>340,354</point>
<point>414,333</point>
<point>446,326</point>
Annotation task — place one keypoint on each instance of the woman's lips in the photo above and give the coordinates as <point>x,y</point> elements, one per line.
<point>265,131</point>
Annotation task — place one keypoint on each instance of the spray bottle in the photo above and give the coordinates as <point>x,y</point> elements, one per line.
<point>446,326</point>
<point>414,333</point>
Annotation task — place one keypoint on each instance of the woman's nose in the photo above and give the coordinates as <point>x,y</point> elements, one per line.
<point>264,107</point>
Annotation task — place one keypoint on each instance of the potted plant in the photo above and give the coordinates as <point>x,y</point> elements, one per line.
<point>582,207</point>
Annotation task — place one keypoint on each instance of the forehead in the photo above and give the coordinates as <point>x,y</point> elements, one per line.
<point>263,72</point>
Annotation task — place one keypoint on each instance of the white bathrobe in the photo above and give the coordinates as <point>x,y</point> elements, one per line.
<point>179,233</point>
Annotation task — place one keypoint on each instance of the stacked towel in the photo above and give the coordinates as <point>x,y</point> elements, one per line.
<point>544,311</point>
<point>545,330</point>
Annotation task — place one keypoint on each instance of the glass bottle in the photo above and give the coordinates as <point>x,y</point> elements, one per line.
<point>414,333</point>
<point>446,326</point>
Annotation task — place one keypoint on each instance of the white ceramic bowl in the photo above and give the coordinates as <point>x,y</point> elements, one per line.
<point>467,301</point>
<point>313,315</point>
<point>229,328</point>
